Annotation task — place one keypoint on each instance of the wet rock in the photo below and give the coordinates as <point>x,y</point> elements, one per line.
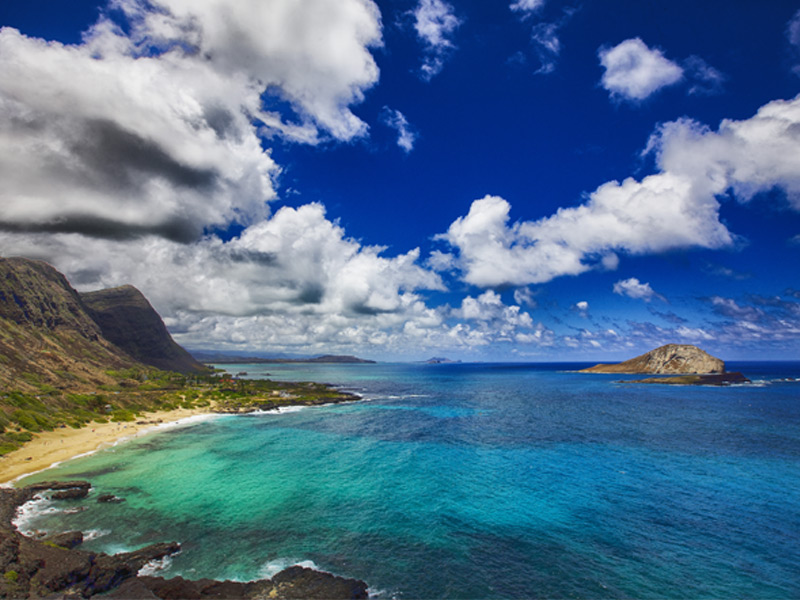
<point>68,540</point>
<point>73,494</point>
<point>180,588</point>
<point>35,568</point>
<point>110,498</point>
<point>301,582</point>
<point>132,588</point>
<point>70,490</point>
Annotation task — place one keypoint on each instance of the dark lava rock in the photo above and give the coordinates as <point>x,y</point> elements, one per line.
<point>110,498</point>
<point>73,494</point>
<point>68,539</point>
<point>68,490</point>
<point>36,568</point>
<point>714,379</point>
<point>300,582</point>
<point>178,588</point>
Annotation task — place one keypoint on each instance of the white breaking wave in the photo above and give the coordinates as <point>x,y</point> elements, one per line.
<point>273,567</point>
<point>30,511</point>
<point>155,567</point>
<point>93,534</point>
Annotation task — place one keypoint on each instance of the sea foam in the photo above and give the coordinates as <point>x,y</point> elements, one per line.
<point>273,567</point>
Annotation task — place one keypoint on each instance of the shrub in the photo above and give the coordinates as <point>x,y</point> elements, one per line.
<point>6,447</point>
<point>32,421</point>
<point>120,415</point>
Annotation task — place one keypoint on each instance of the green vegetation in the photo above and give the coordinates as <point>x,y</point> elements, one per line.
<point>136,391</point>
<point>11,576</point>
<point>53,545</point>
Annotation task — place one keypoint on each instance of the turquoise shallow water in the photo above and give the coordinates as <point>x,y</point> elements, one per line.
<point>474,481</point>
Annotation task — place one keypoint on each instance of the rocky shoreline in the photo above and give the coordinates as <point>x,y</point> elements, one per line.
<point>727,378</point>
<point>53,568</point>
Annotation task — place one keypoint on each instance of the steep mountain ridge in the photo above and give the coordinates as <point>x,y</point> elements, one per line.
<point>33,293</point>
<point>46,334</point>
<point>127,319</point>
<point>675,359</point>
<point>50,335</point>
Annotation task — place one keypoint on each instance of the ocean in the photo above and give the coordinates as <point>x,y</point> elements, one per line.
<point>471,481</point>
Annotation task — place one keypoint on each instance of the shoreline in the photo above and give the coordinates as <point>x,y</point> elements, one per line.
<point>51,448</point>
<point>56,566</point>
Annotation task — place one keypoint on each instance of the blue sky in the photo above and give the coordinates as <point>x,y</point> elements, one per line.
<point>525,180</point>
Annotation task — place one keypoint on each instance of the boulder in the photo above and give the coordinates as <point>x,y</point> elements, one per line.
<point>109,499</point>
<point>68,539</point>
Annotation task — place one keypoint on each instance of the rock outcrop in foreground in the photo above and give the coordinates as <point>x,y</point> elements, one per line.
<point>672,359</point>
<point>34,568</point>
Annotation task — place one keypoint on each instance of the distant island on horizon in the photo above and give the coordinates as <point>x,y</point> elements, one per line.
<point>221,358</point>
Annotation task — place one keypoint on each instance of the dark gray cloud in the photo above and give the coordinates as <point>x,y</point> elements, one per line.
<point>176,230</point>
<point>311,294</point>
<point>246,255</point>
<point>124,159</point>
<point>223,123</point>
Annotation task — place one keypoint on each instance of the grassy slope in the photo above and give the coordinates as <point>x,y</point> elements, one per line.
<point>58,370</point>
<point>138,390</point>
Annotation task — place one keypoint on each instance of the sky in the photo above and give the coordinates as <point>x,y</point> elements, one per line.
<point>505,180</point>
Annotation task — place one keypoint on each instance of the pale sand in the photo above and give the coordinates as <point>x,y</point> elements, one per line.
<point>50,447</point>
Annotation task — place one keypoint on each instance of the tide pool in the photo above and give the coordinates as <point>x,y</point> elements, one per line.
<point>473,481</point>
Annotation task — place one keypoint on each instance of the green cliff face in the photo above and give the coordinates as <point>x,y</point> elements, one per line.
<point>68,359</point>
<point>46,334</point>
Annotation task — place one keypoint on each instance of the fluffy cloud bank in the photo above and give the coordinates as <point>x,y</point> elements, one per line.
<point>121,156</point>
<point>674,208</point>
<point>152,131</point>
<point>749,157</point>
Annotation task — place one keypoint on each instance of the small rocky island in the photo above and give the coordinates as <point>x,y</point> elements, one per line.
<point>683,363</point>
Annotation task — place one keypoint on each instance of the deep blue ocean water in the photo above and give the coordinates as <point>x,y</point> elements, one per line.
<point>473,481</point>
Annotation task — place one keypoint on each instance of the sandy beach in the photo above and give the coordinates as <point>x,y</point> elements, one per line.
<point>50,447</point>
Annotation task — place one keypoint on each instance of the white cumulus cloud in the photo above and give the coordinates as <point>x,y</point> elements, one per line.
<point>435,21</point>
<point>633,71</point>
<point>314,52</point>
<point>661,212</point>
<point>633,288</point>
<point>674,208</point>
<point>120,157</point>
<point>750,156</point>
<point>151,131</point>
<point>489,320</point>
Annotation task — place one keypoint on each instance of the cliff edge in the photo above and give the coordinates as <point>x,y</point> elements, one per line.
<point>671,359</point>
<point>128,320</point>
